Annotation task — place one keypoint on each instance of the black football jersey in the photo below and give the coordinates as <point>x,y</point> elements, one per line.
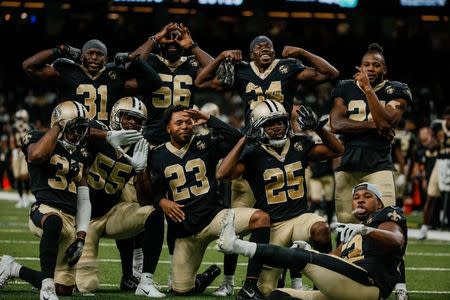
<point>369,151</point>
<point>53,182</point>
<point>178,87</point>
<point>278,180</point>
<point>108,174</point>
<point>187,176</point>
<point>364,252</point>
<point>277,83</point>
<point>444,145</point>
<point>97,93</point>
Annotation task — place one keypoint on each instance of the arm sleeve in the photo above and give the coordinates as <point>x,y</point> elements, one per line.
<point>147,77</point>
<point>84,209</point>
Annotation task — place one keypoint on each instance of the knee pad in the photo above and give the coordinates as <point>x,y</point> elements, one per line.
<point>52,223</point>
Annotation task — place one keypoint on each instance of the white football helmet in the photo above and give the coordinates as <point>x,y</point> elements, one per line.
<point>73,117</point>
<point>263,114</point>
<point>127,105</point>
<point>21,116</point>
<point>211,108</point>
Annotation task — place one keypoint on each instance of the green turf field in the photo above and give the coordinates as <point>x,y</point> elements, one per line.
<point>427,262</point>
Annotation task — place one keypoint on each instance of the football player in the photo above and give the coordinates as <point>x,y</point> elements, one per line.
<point>111,170</point>
<point>266,77</point>
<point>184,170</point>
<point>366,111</point>
<point>19,129</point>
<point>364,266</point>
<point>83,76</point>
<point>58,164</point>
<point>275,167</point>
<point>439,182</point>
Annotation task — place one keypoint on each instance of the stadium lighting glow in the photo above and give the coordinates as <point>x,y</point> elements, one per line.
<point>33,19</point>
<point>423,2</point>
<point>341,3</point>
<point>24,15</point>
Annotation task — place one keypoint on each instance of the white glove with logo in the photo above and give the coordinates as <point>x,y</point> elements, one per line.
<point>349,231</point>
<point>117,138</point>
<point>140,156</point>
<point>301,245</point>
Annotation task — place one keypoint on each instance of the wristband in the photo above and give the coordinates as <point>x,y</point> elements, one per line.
<point>194,45</point>
<point>155,42</point>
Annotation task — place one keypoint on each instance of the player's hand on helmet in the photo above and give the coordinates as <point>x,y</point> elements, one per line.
<point>74,251</point>
<point>140,156</point>
<point>69,52</point>
<point>290,51</point>
<point>197,116</point>
<point>232,55</point>
<point>117,138</point>
<point>301,245</point>
<point>308,120</point>
<point>253,134</point>
<point>349,231</point>
<point>172,209</point>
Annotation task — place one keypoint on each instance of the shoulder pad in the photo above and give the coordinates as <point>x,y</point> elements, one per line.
<point>388,214</point>
<point>399,90</point>
<point>63,61</point>
<point>97,124</point>
<point>32,137</point>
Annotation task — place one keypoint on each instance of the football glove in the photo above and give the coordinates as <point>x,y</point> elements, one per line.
<point>117,138</point>
<point>308,120</point>
<point>253,135</point>
<point>121,58</point>
<point>140,155</point>
<point>225,72</point>
<point>73,253</point>
<point>301,245</point>
<point>349,231</point>
<point>68,52</point>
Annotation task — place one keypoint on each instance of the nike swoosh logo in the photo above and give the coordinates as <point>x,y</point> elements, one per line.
<point>46,298</point>
<point>147,292</point>
<point>250,294</point>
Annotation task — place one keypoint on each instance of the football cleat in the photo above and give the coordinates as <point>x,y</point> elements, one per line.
<point>227,237</point>
<point>48,291</point>
<point>148,289</point>
<point>6,265</point>
<point>129,284</point>
<point>401,294</point>
<point>224,290</point>
<point>250,291</point>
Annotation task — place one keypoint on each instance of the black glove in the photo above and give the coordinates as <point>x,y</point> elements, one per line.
<point>68,52</point>
<point>121,58</point>
<point>308,119</point>
<point>253,134</point>
<point>73,253</point>
<point>225,73</point>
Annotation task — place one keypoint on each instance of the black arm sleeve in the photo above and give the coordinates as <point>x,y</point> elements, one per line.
<point>230,134</point>
<point>148,79</point>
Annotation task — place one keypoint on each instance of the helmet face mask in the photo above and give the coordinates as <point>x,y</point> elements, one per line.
<point>128,111</point>
<point>272,121</point>
<point>76,128</point>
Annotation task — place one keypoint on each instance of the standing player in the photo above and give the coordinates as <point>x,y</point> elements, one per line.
<point>365,113</point>
<point>184,170</point>
<point>58,171</point>
<point>266,77</point>
<point>19,129</point>
<point>92,83</point>
<point>275,168</point>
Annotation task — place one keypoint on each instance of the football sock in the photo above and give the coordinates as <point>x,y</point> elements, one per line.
<point>152,242</point>
<point>31,276</point>
<point>259,236</point>
<point>48,247</point>
<point>229,264</point>
<point>126,248</point>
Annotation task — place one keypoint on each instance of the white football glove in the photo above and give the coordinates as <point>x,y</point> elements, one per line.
<point>140,155</point>
<point>301,245</point>
<point>401,180</point>
<point>117,138</point>
<point>349,231</point>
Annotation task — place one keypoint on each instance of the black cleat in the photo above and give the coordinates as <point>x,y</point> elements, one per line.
<point>250,291</point>
<point>202,281</point>
<point>129,284</point>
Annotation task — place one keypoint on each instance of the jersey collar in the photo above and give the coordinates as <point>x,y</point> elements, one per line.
<point>267,72</point>
<point>281,157</point>
<point>180,153</point>
<point>170,65</point>
<point>89,75</point>
<point>375,88</point>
